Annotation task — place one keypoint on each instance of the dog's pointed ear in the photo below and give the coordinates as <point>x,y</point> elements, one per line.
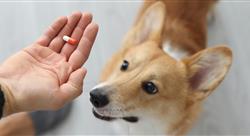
<point>206,69</point>
<point>149,26</point>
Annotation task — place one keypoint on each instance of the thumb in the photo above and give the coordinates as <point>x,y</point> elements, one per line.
<point>73,87</point>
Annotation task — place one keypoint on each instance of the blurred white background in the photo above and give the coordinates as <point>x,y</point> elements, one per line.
<point>226,111</point>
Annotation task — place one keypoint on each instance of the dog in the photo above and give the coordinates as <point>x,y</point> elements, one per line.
<point>159,78</point>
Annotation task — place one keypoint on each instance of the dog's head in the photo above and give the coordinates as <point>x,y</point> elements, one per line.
<point>141,80</point>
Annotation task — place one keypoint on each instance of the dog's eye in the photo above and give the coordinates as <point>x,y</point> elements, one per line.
<point>149,87</point>
<point>124,65</point>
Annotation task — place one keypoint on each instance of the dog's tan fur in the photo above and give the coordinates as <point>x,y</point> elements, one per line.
<point>185,22</point>
<point>183,84</point>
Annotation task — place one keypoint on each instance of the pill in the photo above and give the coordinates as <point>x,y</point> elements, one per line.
<point>69,40</point>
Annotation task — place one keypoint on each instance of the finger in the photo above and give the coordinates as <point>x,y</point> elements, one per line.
<point>77,34</point>
<point>57,43</point>
<point>73,88</point>
<point>81,54</point>
<point>52,31</point>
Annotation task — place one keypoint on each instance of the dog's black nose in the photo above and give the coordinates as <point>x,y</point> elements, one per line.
<point>98,98</point>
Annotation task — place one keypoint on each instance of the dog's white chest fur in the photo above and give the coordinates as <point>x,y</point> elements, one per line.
<point>142,127</point>
<point>175,53</point>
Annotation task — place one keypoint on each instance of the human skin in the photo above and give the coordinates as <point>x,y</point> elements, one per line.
<point>48,74</point>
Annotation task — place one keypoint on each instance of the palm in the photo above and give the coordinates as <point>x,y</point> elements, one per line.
<point>50,68</point>
<point>37,68</point>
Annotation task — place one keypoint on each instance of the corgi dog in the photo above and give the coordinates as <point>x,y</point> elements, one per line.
<point>159,78</point>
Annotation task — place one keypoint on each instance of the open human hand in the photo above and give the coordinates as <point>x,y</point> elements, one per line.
<point>49,73</point>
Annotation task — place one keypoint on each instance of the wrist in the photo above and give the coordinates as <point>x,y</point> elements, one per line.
<point>8,107</point>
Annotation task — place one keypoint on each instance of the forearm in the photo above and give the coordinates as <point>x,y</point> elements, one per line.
<point>19,124</point>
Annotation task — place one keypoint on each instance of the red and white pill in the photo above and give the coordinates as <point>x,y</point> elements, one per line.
<point>70,40</point>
